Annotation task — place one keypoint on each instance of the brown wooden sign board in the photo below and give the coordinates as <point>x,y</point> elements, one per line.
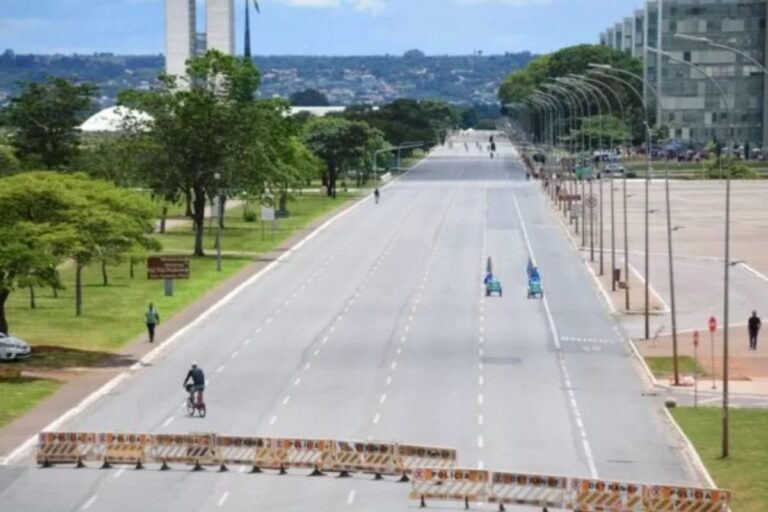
<point>168,267</point>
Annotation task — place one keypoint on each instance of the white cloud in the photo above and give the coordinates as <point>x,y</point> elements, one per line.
<point>513,3</point>
<point>368,6</point>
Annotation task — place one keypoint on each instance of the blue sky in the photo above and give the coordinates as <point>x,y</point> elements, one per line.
<point>326,27</point>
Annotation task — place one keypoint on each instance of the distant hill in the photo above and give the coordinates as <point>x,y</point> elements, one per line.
<point>469,79</point>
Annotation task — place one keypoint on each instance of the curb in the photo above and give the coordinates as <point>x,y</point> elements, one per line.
<point>134,369</point>
<point>695,459</point>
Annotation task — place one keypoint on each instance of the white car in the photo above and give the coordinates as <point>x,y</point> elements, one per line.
<point>13,348</point>
<point>614,168</point>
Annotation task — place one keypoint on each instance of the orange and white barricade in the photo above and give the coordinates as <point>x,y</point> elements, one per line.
<point>588,495</point>
<point>463,485</point>
<point>369,457</point>
<point>662,498</point>
<point>198,449</point>
<point>67,448</point>
<point>410,457</point>
<point>237,450</point>
<point>124,448</point>
<point>523,489</point>
<point>282,453</point>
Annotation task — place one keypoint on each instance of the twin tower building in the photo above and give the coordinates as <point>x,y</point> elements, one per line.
<point>183,41</point>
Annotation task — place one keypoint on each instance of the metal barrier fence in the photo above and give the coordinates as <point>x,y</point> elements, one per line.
<point>319,455</point>
<point>562,493</point>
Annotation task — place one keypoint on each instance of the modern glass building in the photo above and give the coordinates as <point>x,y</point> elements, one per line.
<point>690,104</point>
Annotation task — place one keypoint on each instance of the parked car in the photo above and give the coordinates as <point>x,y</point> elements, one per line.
<point>12,348</point>
<point>614,168</point>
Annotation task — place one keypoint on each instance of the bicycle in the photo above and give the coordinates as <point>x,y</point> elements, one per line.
<point>194,406</point>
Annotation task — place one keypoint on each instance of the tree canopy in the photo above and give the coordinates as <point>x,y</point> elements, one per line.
<point>309,98</point>
<point>44,120</point>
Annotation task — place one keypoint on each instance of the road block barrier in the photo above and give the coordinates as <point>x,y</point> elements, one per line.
<point>377,458</point>
<point>523,489</point>
<point>660,498</point>
<point>588,495</point>
<point>258,452</point>
<point>282,453</point>
<point>449,485</point>
<point>195,449</point>
<point>410,457</point>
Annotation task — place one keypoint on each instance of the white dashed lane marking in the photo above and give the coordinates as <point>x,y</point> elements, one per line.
<point>223,499</point>
<point>89,502</point>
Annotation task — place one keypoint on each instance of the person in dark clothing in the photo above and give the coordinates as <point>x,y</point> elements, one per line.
<point>152,318</point>
<point>376,195</point>
<point>196,375</point>
<point>753,325</point>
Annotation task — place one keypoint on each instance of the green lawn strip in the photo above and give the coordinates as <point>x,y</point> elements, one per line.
<point>663,367</point>
<point>113,315</point>
<point>20,394</point>
<point>745,471</point>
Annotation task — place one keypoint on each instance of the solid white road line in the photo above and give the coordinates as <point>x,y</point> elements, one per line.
<point>556,339</point>
<point>223,499</point>
<point>351,497</point>
<point>89,502</point>
<point>286,399</point>
<point>376,418</point>
<point>272,420</point>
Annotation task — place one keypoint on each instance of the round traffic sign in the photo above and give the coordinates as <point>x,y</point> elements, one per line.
<point>695,338</point>
<point>712,324</point>
<point>592,201</point>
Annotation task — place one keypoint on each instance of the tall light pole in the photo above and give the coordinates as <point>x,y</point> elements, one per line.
<point>575,102</point>
<point>219,220</point>
<point>727,249</point>
<point>647,182</point>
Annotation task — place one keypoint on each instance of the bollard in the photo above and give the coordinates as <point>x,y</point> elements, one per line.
<point>139,465</point>
<point>79,464</point>
<point>377,476</point>
<point>404,479</point>
<point>316,472</point>
<point>45,463</point>
<point>282,470</point>
<point>344,474</point>
<point>255,470</point>
<point>106,464</point>
<point>164,466</point>
<point>501,507</point>
<point>223,468</point>
<point>197,466</point>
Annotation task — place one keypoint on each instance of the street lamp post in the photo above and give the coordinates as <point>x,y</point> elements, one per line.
<point>219,213</point>
<point>727,265</point>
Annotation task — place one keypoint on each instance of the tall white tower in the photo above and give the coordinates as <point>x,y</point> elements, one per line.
<point>180,22</point>
<point>180,31</point>
<point>220,24</point>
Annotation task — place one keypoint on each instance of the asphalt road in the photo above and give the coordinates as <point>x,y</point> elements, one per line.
<point>379,328</point>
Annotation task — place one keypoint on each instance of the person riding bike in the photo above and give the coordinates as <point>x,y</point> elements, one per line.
<point>197,376</point>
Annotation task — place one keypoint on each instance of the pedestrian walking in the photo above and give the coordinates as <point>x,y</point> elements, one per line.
<point>152,318</point>
<point>377,195</point>
<point>753,325</point>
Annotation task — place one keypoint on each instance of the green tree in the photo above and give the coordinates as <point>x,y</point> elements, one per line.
<point>309,98</point>
<point>205,124</point>
<point>8,161</point>
<point>44,120</point>
<point>339,143</point>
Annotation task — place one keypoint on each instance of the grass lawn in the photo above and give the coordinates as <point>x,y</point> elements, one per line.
<point>745,472</point>
<point>113,315</point>
<point>20,394</point>
<point>662,366</point>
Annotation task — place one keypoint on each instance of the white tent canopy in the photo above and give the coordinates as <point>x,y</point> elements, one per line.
<point>113,119</point>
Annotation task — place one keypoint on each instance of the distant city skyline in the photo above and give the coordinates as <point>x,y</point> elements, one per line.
<point>318,27</point>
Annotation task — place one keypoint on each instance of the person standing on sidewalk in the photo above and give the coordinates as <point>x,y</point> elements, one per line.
<point>753,325</point>
<point>152,318</point>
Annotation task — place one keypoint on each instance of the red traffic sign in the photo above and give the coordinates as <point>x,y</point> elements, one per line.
<point>695,338</point>
<point>712,324</point>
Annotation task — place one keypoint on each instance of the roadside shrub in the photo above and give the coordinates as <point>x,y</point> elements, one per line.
<point>739,171</point>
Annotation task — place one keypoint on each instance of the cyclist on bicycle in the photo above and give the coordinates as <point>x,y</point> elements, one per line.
<point>198,382</point>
